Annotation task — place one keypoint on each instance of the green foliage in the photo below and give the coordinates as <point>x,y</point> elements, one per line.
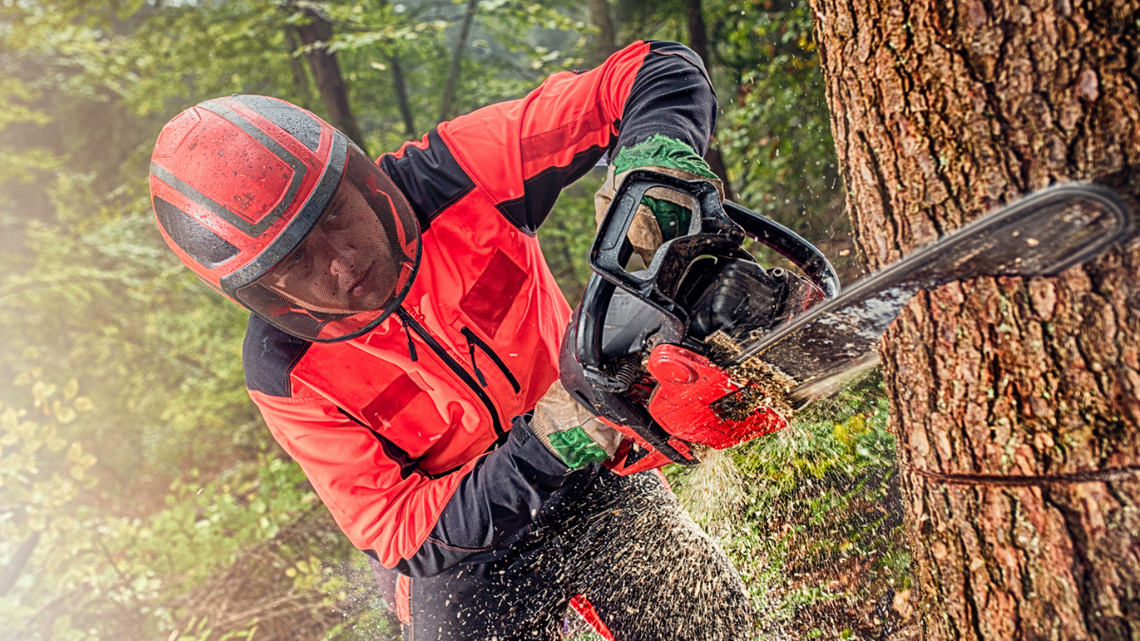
<point>212,559</point>
<point>775,131</point>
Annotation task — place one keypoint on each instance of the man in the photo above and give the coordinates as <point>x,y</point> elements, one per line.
<point>403,346</point>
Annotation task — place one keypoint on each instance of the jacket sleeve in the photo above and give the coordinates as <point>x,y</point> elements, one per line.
<point>523,152</point>
<point>392,510</point>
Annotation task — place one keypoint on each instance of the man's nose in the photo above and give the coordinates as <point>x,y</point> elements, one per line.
<point>342,261</point>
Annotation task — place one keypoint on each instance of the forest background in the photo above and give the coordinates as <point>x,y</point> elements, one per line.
<point>142,497</point>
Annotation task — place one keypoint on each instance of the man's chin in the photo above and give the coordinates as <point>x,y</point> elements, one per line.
<point>368,304</point>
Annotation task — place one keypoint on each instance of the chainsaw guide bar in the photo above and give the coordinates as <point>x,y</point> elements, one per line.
<point>1040,235</point>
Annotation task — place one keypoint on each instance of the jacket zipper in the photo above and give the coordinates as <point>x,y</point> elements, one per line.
<point>472,342</point>
<point>453,365</point>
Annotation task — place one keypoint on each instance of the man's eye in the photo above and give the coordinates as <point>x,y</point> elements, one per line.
<point>334,219</point>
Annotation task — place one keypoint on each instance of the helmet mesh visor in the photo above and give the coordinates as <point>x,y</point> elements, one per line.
<point>353,267</point>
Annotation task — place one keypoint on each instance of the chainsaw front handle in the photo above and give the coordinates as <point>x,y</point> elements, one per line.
<point>713,226</point>
<point>788,244</point>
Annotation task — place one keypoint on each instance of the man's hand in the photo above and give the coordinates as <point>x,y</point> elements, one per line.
<point>666,215</point>
<point>570,431</point>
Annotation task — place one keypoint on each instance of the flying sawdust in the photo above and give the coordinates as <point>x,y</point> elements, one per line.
<point>771,385</point>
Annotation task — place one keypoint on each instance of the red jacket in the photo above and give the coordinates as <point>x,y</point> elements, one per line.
<point>393,428</point>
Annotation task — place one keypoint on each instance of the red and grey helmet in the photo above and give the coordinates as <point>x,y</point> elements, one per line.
<point>279,211</point>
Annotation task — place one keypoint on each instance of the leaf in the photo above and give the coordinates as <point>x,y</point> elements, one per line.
<point>63,413</point>
<point>42,391</point>
<point>71,388</point>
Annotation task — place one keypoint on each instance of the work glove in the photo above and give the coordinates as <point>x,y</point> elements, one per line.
<point>570,431</point>
<point>666,215</point>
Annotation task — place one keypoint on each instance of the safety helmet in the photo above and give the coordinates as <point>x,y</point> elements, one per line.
<point>282,213</point>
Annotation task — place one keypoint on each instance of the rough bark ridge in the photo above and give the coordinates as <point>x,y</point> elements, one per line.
<point>942,111</point>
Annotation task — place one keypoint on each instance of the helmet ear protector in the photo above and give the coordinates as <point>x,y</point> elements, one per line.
<point>240,183</point>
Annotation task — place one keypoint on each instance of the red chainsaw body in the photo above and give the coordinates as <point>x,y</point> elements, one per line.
<point>690,389</point>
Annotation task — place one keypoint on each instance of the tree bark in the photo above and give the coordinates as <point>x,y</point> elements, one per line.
<point>326,73</point>
<point>607,37</point>
<point>457,57</point>
<point>942,111</point>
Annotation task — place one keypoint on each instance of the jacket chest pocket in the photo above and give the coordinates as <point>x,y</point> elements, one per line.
<point>487,303</point>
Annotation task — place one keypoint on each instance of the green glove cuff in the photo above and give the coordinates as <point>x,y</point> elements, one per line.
<point>660,151</point>
<point>576,448</point>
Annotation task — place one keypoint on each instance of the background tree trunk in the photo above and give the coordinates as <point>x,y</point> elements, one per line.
<point>699,43</point>
<point>445,107</point>
<point>607,36</point>
<point>297,66</point>
<point>10,573</point>
<point>400,86</point>
<point>326,73</point>
<point>942,111</point>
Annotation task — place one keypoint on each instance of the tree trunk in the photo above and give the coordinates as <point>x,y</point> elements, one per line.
<point>699,43</point>
<point>326,72</point>
<point>456,58</point>
<point>297,66</point>
<point>15,566</point>
<point>607,38</point>
<point>400,85</point>
<point>942,111</point>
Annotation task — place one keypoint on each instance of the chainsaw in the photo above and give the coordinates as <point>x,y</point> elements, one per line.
<point>706,348</point>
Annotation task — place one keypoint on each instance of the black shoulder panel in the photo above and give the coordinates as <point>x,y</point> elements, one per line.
<point>431,178</point>
<point>671,95</point>
<point>269,355</point>
<point>541,190</point>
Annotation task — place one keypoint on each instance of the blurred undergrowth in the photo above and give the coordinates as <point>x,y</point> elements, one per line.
<point>811,516</point>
